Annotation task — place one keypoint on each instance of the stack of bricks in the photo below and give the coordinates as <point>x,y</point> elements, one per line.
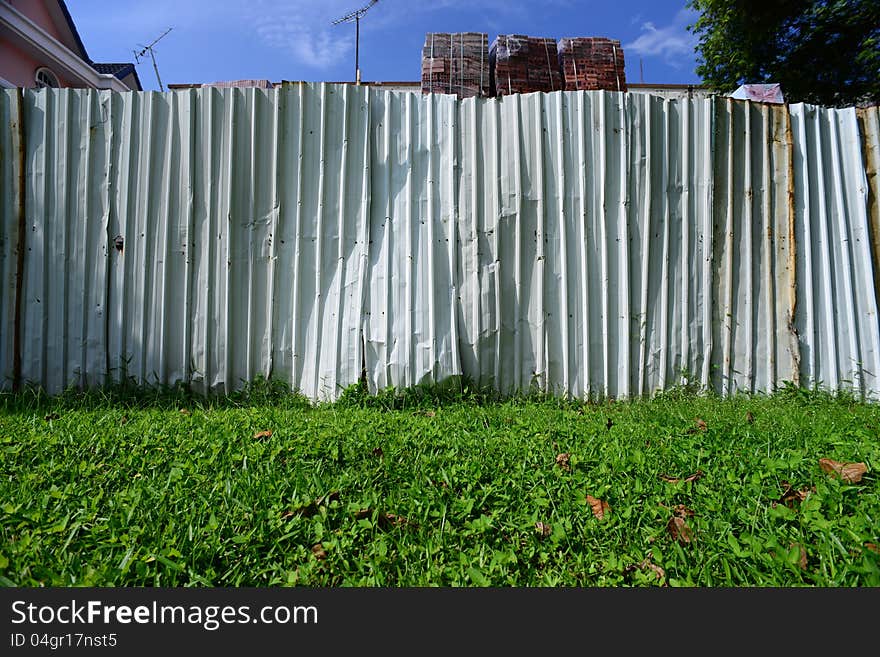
<point>456,63</point>
<point>523,64</point>
<point>592,63</point>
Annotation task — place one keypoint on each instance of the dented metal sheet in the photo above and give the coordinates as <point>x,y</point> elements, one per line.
<point>593,244</point>
<point>756,349</point>
<point>410,324</point>
<point>615,245</point>
<point>206,236</point>
<point>585,218</point>
<point>837,301</point>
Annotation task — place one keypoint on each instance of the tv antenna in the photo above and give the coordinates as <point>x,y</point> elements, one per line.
<point>138,55</point>
<point>356,16</point>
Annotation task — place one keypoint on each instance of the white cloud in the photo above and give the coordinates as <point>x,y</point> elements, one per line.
<point>299,31</point>
<point>304,29</point>
<point>672,42</point>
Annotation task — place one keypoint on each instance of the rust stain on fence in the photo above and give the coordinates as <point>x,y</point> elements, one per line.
<point>794,345</point>
<point>869,130</point>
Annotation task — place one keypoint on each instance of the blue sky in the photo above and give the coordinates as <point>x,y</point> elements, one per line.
<point>215,40</point>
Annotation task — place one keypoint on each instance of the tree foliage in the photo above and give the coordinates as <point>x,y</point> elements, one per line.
<point>825,52</point>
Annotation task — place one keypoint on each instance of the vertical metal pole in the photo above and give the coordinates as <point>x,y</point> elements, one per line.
<point>156,68</point>
<point>357,45</point>
<point>616,74</point>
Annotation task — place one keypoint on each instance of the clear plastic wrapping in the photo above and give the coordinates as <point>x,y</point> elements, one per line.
<point>592,63</point>
<point>523,64</point>
<point>456,63</point>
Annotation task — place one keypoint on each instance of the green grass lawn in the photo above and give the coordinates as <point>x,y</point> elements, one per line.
<point>436,489</point>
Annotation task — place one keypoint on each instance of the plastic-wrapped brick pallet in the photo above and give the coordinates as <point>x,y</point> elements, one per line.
<point>592,63</point>
<point>523,64</point>
<point>456,63</point>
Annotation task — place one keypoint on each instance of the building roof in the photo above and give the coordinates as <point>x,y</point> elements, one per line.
<point>73,31</point>
<point>118,70</point>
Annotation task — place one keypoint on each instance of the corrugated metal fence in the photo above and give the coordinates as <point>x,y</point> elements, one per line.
<point>589,243</point>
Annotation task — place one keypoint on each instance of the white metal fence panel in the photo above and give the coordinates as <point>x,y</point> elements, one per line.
<point>837,318</point>
<point>594,237</point>
<point>64,309</point>
<point>754,345</point>
<point>410,326</point>
<point>583,243</point>
<point>206,236</point>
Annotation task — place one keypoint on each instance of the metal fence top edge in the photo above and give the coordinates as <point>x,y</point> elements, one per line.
<point>335,87</point>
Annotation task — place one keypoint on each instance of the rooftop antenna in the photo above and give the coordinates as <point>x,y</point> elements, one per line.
<point>139,55</point>
<point>356,16</point>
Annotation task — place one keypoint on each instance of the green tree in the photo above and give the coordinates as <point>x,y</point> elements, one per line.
<point>825,52</point>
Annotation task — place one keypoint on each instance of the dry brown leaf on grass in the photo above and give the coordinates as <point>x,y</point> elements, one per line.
<point>184,411</point>
<point>679,530</point>
<point>543,529</point>
<point>850,473</point>
<point>646,563</point>
<point>599,507</point>
<point>393,520</point>
<point>873,547</point>
<point>791,496</point>
<point>319,552</point>
<point>750,418</point>
<point>564,461</point>
<point>801,552</point>
<point>661,574</point>
<point>266,433</point>
<point>681,511</point>
<point>699,474</point>
<point>699,425</point>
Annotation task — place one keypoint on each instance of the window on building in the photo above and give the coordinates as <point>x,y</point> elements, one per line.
<point>44,77</point>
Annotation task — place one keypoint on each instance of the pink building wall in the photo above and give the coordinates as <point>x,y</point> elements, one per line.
<point>36,10</point>
<point>19,67</point>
